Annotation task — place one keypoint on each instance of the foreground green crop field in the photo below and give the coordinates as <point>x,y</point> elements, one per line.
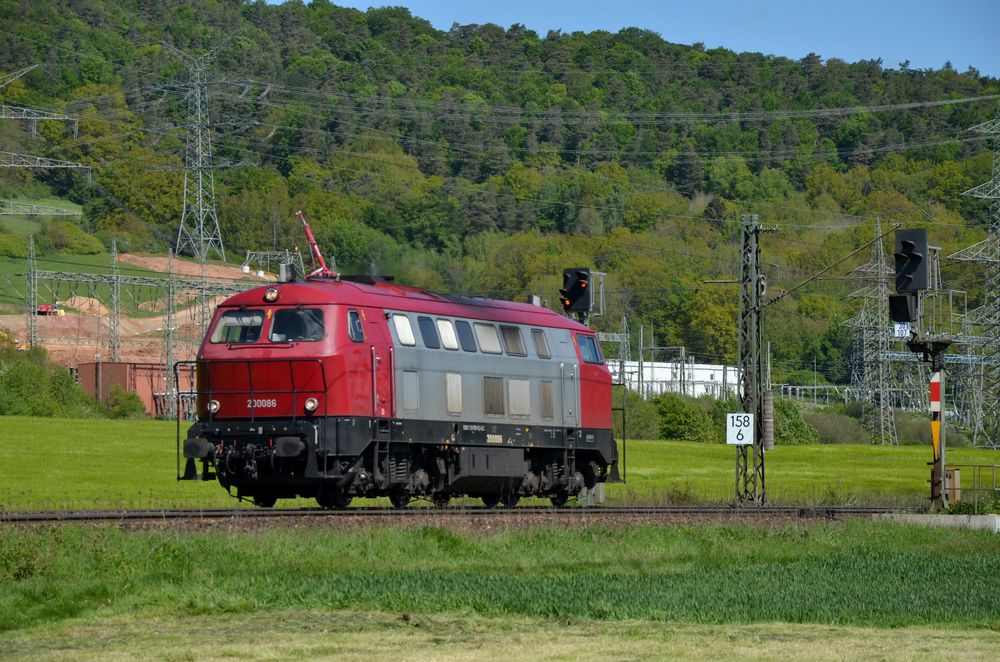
<point>58,463</point>
<point>628,591</point>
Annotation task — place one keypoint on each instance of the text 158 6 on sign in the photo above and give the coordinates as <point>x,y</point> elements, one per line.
<point>739,429</point>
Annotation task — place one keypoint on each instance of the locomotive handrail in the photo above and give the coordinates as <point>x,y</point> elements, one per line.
<point>375,360</point>
<point>392,381</point>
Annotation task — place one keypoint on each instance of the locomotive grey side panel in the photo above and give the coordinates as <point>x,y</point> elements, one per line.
<point>447,378</point>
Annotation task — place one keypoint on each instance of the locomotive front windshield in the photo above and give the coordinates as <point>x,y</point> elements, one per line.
<point>238,326</point>
<point>297,325</point>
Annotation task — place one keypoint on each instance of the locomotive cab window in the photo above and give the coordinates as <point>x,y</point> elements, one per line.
<point>238,326</point>
<point>428,332</point>
<point>297,325</point>
<point>512,340</point>
<point>355,329</point>
<point>589,350</point>
<point>404,332</point>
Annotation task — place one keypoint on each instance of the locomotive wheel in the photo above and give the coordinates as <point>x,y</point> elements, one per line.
<point>264,501</point>
<point>332,498</point>
<point>441,500</point>
<point>399,499</point>
<point>560,499</point>
<point>511,500</point>
<point>491,500</point>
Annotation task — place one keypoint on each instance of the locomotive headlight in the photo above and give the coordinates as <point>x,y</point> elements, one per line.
<point>271,295</point>
<point>312,404</point>
<point>213,406</point>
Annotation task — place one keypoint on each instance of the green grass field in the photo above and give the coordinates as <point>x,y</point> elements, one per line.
<point>824,591</point>
<point>58,463</point>
<point>629,591</point>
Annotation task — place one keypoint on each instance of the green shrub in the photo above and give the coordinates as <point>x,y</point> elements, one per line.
<point>789,427</point>
<point>124,404</point>
<point>30,385</point>
<point>66,237</point>
<point>683,418</point>
<point>23,387</point>
<point>13,245</point>
<point>913,430</point>
<point>641,419</point>
<point>837,428</point>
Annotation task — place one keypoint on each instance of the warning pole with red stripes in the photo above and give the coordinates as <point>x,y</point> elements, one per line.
<point>939,494</point>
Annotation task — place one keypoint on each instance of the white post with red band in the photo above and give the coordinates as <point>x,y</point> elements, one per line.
<point>938,473</point>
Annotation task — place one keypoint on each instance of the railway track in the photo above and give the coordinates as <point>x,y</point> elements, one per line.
<point>376,514</point>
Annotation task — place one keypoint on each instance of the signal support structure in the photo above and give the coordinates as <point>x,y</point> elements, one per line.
<point>754,389</point>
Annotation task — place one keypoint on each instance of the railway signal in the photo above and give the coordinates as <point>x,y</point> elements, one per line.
<point>575,292</point>
<point>911,260</point>
<point>912,278</point>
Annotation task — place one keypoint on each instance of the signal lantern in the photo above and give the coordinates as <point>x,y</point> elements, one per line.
<point>576,290</point>
<point>911,260</point>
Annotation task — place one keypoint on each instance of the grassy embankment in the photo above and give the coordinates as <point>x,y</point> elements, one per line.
<point>57,463</point>
<point>820,591</point>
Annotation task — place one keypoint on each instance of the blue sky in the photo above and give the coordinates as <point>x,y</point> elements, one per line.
<point>925,32</point>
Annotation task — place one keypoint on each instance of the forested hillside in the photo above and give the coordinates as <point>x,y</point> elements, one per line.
<point>484,160</point>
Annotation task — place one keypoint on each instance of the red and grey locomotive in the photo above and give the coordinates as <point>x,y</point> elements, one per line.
<point>336,387</point>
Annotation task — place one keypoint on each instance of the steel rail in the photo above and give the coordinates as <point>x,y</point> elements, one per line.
<point>380,513</point>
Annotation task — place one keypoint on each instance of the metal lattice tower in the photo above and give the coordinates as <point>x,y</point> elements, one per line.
<point>622,338</point>
<point>267,261</point>
<point>15,208</point>
<point>750,485</point>
<point>199,230</point>
<point>987,317</point>
<point>871,372</point>
<point>11,77</point>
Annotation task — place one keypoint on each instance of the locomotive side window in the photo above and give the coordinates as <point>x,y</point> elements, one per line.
<point>541,344</point>
<point>238,326</point>
<point>403,330</point>
<point>411,391</point>
<point>513,341</point>
<point>493,396</point>
<point>589,350</point>
<point>453,386</point>
<point>447,331</point>
<point>519,391</point>
<point>428,332</point>
<point>548,399</point>
<point>297,325</point>
<point>488,339</point>
<point>355,329</point>
<point>465,336</point>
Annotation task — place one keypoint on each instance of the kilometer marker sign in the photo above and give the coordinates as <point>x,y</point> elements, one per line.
<point>739,429</point>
